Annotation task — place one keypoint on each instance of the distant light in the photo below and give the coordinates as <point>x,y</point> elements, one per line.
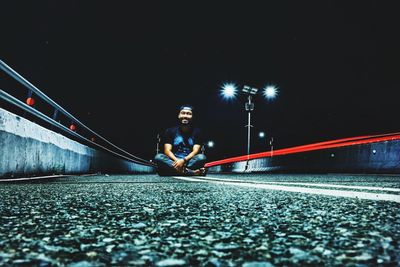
<point>270,91</point>
<point>261,134</point>
<point>228,90</point>
<point>210,144</point>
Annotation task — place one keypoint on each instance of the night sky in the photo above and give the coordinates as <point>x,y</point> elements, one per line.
<point>124,67</point>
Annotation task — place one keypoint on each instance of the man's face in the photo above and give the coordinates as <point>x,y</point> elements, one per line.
<point>185,116</point>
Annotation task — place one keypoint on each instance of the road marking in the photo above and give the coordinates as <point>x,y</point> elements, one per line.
<point>89,174</point>
<point>47,177</point>
<point>309,184</point>
<point>32,178</point>
<point>315,191</point>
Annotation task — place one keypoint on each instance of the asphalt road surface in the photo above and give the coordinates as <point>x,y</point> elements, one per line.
<point>219,220</point>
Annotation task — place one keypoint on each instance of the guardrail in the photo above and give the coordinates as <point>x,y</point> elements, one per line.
<point>373,154</point>
<point>339,143</point>
<point>58,110</point>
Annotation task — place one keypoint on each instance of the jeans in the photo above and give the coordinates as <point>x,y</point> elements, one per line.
<point>165,164</point>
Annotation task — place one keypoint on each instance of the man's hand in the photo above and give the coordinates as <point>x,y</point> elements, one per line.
<point>178,164</point>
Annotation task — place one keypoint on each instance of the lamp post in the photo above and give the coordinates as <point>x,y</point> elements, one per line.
<point>261,135</point>
<point>270,142</point>
<point>249,107</point>
<point>229,91</point>
<point>158,144</point>
<point>210,144</point>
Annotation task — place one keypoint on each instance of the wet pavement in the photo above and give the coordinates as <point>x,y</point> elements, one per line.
<point>161,221</point>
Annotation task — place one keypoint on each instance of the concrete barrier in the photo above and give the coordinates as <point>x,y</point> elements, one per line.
<point>377,157</point>
<point>28,149</point>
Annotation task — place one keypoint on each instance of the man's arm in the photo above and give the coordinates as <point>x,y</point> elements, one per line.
<point>168,152</point>
<point>196,150</point>
<point>178,163</point>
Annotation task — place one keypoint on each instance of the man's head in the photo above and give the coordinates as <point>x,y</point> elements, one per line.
<point>185,115</point>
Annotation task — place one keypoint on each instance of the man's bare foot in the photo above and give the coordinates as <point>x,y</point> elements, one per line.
<point>200,172</point>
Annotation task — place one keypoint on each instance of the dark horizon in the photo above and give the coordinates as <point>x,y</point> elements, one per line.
<point>124,69</point>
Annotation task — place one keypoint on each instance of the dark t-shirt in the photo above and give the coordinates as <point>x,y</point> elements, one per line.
<point>182,143</point>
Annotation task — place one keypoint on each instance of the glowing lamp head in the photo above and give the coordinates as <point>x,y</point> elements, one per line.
<point>210,144</point>
<point>228,90</point>
<point>270,92</point>
<point>261,134</point>
<point>72,127</point>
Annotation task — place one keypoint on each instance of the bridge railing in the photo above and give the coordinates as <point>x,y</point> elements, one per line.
<point>76,128</point>
<point>345,142</point>
<point>363,154</point>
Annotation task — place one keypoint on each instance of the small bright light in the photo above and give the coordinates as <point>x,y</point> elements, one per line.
<point>261,134</point>
<point>228,90</point>
<point>210,144</point>
<point>270,92</point>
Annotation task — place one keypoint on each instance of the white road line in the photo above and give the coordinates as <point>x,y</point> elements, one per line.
<point>315,191</point>
<point>86,175</point>
<point>309,184</point>
<point>349,186</point>
<point>46,177</point>
<point>32,178</point>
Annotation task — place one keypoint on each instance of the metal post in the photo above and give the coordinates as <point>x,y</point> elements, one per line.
<point>272,146</point>
<point>55,114</point>
<point>248,135</point>
<point>249,106</point>
<point>158,144</point>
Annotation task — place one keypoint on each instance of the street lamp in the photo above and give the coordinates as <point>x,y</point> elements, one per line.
<point>271,141</point>
<point>210,144</point>
<point>249,107</point>
<point>270,92</point>
<point>229,91</point>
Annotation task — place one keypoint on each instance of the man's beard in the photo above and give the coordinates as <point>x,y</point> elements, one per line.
<point>188,124</point>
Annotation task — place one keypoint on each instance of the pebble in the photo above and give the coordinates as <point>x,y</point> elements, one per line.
<point>258,264</point>
<point>226,247</point>
<point>139,225</point>
<point>82,264</point>
<point>170,262</point>
<point>364,257</point>
<point>201,252</point>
